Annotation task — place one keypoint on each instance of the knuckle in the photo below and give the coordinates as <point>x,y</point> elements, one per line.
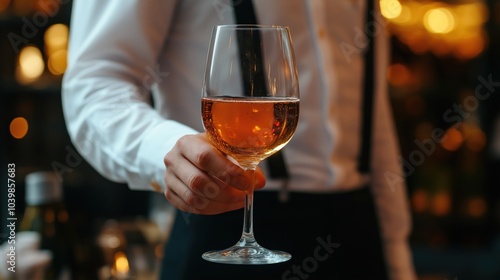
<point>189,198</point>
<point>168,194</point>
<point>211,190</point>
<point>196,181</point>
<point>201,203</point>
<point>233,170</point>
<point>183,142</point>
<point>204,157</point>
<point>232,173</point>
<point>168,159</point>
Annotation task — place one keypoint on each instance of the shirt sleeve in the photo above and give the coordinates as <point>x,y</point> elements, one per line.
<point>114,46</point>
<point>388,181</point>
<point>389,189</point>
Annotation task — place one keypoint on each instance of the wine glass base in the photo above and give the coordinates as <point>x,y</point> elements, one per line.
<point>250,255</point>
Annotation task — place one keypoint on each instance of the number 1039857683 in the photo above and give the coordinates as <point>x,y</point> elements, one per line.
<point>11,191</point>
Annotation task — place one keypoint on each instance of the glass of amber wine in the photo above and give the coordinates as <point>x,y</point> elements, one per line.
<point>250,109</point>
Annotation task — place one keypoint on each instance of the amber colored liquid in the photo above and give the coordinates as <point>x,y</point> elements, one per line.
<point>249,129</point>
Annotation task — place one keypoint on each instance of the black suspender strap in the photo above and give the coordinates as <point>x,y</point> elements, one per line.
<point>368,94</point>
<point>245,14</point>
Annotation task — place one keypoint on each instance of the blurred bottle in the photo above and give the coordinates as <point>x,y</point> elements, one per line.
<point>45,214</point>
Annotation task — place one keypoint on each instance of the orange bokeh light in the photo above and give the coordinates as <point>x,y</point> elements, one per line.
<point>420,201</point>
<point>4,4</point>
<point>398,74</point>
<point>441,204</point>
<point>476,207</point>
<point>19,127</point>
<point>452,140</point>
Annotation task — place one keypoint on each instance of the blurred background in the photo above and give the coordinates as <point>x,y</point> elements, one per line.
<point>444,86</point>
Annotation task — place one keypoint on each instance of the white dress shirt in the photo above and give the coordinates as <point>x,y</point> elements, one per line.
<point>120,50</point>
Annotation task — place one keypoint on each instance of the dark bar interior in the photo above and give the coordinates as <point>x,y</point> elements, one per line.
<point>444,84</point>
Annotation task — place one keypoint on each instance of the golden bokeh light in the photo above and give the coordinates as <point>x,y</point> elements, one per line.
<point>19,127</point>
<point>30,65</point>
<point>121,265</point>
<point>390,9</point>
<point>56,38</point>
<point>471,14</point>
<point>442,28</point>
<point>404,17</point>
<point>439,20</point>
<point>57,62</point>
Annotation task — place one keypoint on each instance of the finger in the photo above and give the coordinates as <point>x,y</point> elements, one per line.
<point>203,185</point>
<point>184,199</point>
<point>260,179</point>
<point>206,157</point>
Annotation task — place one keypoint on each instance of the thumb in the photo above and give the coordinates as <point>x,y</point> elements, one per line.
<point>260,179</point>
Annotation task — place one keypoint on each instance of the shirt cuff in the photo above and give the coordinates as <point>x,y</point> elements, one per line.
<point>155,145</point>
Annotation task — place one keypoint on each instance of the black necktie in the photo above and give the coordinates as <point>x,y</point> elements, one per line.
<point>245,14</point>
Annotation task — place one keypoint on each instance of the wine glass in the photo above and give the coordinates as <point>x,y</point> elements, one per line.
<point>250,109</point>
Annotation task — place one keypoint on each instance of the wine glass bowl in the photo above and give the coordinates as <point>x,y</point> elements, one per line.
<point>250,109</point>
<point>250,129</point>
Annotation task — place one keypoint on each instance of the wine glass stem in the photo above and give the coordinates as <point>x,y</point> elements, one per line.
<point>247,237</point>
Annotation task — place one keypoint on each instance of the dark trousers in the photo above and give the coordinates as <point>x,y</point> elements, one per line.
<point>330,236</point>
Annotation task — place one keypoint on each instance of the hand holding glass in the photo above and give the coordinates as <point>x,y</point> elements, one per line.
<point>250,109</point>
